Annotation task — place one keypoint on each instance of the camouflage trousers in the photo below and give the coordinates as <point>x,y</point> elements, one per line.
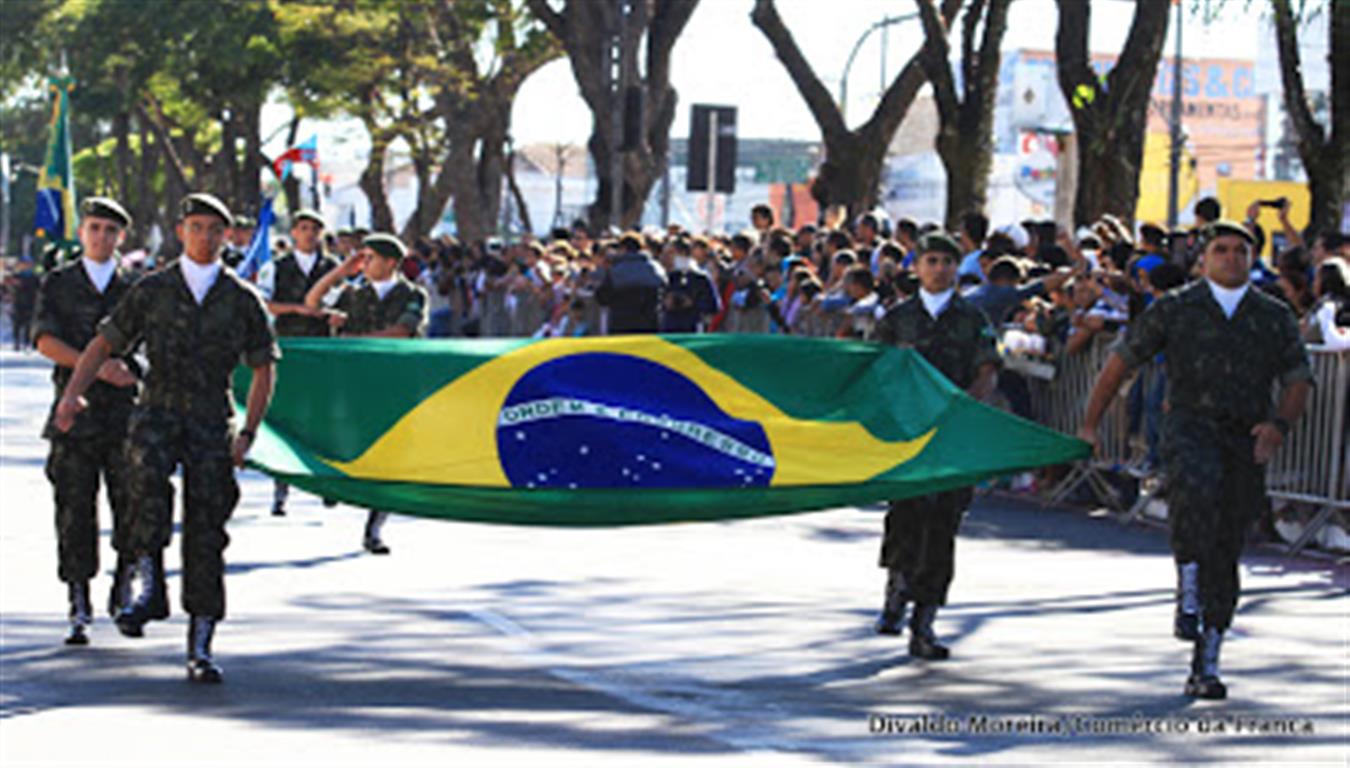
<point>920,542</point>
<point>75,467</point>
<point>159,441</point>
<point>1215,491</point>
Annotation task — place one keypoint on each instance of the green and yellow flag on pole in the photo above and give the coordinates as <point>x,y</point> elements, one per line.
<point>55,218</point>
<point>629,430</point>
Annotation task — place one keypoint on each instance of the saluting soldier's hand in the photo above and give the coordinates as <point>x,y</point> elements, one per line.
<point>66,411</point>
<point>239,449</point>
<point>116,372</point>
<point>1268,441</point>
<point>352,266</point>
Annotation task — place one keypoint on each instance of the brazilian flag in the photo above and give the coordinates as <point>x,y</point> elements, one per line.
<point>628,430</point>
<point>55,217</point>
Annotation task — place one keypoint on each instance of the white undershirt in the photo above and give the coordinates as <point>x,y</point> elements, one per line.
<point>99,274</point>
<point>1228,298</point>
<point>306,261</point>
<point>383,286</point>
<point>936,302</point>
<point>199,278</point>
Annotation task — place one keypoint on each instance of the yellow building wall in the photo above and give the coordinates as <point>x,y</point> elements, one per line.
<point>1153,177</point>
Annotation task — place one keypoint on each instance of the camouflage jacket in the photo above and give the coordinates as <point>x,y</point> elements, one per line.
<point>290,284</point>
<point>69,308</point>
<point>1218,368</point>
<point>405,304</point>
<point>192,349</point>
<point>957,343</point>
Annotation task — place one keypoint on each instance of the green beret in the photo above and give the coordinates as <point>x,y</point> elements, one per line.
<point>105,208</point>
<point>244,222</point>
<point>386,245</point>
<point>311,215</point>
<point>939,241</point>
<point>209,205</point>
<point>1226,227</point>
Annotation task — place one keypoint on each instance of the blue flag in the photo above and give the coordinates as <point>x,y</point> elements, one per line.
<point>260,249</point>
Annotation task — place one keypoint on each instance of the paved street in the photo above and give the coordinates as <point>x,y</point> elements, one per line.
<point>742,643</point>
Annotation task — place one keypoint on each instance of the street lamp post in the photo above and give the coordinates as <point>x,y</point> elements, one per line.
<point>848,65</point>
<point>1174,170</point>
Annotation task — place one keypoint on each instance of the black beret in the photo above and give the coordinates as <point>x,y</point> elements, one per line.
<point>939,241</point>
<point>386,245</point>
<point>202,203</point>
<point>105,208</point>
<point>244,222</point>
<point>310,214</point>
<point>1226,227</point>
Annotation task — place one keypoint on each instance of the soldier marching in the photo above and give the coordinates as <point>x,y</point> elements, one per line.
<point>72,301</point>
<point>918,548</point>
<point>1225,344</point>
<point>197,321</point>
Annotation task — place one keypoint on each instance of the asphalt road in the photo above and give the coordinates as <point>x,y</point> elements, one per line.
<point>742,643</point>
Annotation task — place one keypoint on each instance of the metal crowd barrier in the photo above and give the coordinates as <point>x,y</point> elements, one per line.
<point>1060,402</point>
<point>1311,466</point>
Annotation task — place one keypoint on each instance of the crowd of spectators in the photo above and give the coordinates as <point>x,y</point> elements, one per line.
<point>1049,290</point>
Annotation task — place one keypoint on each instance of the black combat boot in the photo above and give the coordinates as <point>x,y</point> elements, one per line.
<point>923,643</point>
<point>200,668</point>
<point>279,493</point>
<point>1186,621</point>
<point>372,541</point>
<point>1204,682</point>
<point>120,594</point>
<point>81,613</point>
<point>892,616</point>
<point>148,602</point>
<point>159,606</point>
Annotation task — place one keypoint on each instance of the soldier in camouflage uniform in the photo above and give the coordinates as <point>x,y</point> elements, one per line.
<point>919,545</point>
<point>284,283</point>
<point>71,302</point>
<point>384,305</point>
<point>1225,345</point>
<point>240,237</point>
<point>198,321</point>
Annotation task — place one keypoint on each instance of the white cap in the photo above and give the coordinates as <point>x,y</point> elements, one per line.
<point>1018,234</point>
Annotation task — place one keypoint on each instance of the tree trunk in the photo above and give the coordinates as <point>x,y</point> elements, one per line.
<point>1109,117</point>
<point>122,130</point>
<point>584,28</point>
<point>966,121</point>
<point>1322,151</point>
<point>372,182</point>
<point>250,181</point>
<point>516,195</point>
<point>850,173</point>
<point>432,196</point>
<point>146,214</point>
